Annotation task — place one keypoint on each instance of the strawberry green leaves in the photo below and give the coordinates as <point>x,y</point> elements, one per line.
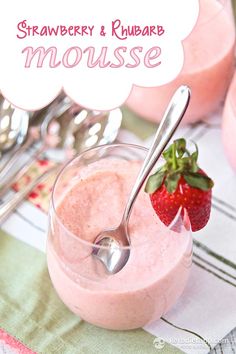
<point>180,147</point>
<point>154,182</point>
<point>179,162</point>
<point>199,181</point>
<point>172,181</point>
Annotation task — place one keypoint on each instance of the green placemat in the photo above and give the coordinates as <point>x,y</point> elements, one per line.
<point>31,311</point>
<point>137,125</point>
<point>234,7</point>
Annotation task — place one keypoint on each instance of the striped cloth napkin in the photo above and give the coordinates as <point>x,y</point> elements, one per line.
<point>206,312</point>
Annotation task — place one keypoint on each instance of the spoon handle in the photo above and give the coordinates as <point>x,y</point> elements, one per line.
<point>16,154</point>
<point>7,207</point>
<point>169,123</point>
<point>4,187</point>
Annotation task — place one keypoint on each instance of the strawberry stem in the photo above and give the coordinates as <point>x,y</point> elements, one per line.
<point>179,163</point>
<point>174,160</point>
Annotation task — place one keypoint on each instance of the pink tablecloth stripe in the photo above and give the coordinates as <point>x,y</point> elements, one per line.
<point>16,346</point>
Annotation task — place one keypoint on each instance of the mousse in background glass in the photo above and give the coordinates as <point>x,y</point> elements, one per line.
<point>207,69</point>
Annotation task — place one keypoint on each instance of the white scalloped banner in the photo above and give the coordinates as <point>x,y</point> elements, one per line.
<point>94,50</point>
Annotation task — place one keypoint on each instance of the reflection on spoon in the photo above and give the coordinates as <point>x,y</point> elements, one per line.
<point>14,124</point>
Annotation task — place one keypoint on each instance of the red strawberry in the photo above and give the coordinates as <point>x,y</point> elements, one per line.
<point>180,182</point>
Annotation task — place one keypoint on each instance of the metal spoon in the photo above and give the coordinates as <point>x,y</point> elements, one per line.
<point>110,122</point>
<point>26,139</point>
<point>14,124</point>
<point>111,253</point>
<point>21,170</point>
<point>67,124</point>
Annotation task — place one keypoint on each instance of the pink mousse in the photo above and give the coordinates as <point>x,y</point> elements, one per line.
<point>207,70</point>
<point>159,263</point>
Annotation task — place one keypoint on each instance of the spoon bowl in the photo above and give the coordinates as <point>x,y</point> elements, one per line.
<point>14,124</point>
<point>111,254</point>
<point>74,129</point>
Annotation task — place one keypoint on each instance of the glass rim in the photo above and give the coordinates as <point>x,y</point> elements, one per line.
<point>231,97</point>
<point>223,4</point>
<point>77,157</point>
